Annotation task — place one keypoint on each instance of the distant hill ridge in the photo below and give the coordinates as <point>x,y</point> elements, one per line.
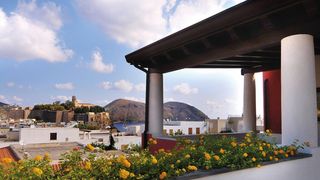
<point>122,109</point>
<point>3,104</point>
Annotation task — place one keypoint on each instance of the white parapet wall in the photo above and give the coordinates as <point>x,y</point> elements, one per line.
<point>307,168</point>
<point>48,135</point>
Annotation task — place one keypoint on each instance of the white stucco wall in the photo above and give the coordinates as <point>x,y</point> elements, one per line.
<point>185,125</point>
<point>42,135</point>
<point>307,169</point>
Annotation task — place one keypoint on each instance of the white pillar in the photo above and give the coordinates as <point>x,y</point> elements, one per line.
<point>155,115</point>
<point>298,90</point>
<point>249,103</point>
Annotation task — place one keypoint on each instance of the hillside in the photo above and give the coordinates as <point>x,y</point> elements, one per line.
<point>3,104</point>
<point>122,109</point>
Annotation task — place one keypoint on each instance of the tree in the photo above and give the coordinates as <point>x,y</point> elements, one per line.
<point>68,105</point>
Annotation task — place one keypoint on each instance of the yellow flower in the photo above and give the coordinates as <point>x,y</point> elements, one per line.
<point>222,151</point>
<point>291,153</point>
<point>253,159</point>
<point>215,157</point>
<point>132,175</point>
<point>249,140</point>
<point>152,141</point>
<point>245,155</point>
<point>161,150</point>
<point>258,166</point>
<point>275,152</point>
<point>242,145</point>
<point>233,144</point>
<point>206,167</point>
<point>286,155</point>
<point>126,163</point>
<point>269,145</point>
<point>261,148</point>
<point>264,154</point>
<point>124,174</point>
<point>7,160</point>
<point>37,171</point>
<point>207,156</point>
<point>270,158</point>
<point>192,168</point>
<point>38,158</point>
<point>109,163</point>
<point>248,135</point>
<point>163,175</point>
<point>90,147</point>
<point>267,131</point>
<point>87,165</point>
<point>184,170</point>
<point>187,156</point>
<point>178,161</point>
<point>154,161</point>
<point>276,159</point>
<point>46,156</point>
<point>172,166</point>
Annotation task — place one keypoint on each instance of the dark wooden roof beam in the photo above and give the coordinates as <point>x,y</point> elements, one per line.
<point>258,69</point>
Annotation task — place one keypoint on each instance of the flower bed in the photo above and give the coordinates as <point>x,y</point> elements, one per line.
<point>202,154</point>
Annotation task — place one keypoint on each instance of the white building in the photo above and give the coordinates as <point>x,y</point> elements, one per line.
<point>48,135</point>
<point>187,127</point>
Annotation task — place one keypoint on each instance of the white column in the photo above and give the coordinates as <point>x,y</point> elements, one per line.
<point>155,104</point>
<point>298,90</point>
<point>249,103</point>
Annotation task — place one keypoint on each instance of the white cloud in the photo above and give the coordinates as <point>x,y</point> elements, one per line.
<point>168,99</point>
<point>214,104</point>
<point>16,98</point>
<point>31,33</point>
<point>185,89</point>
<point>140,22</point>
<point>64,86</point>
<point>98,64</point>
<point>124,85</point>
<point>106,85</point>
<point>2,97</point>
<point>135,23</point>
<point>60,98</point>
<point>140,87</point>
<point>11,84</point>
<point>192,11</point>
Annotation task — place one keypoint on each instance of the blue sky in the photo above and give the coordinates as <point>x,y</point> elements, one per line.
<point>51,50</point>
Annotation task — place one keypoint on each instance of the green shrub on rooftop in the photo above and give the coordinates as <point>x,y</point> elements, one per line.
<point>189,155</point>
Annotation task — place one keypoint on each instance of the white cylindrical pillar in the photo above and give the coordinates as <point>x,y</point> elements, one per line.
<point>298,90</point>
<point>155,108</point>
<point>249,103</point>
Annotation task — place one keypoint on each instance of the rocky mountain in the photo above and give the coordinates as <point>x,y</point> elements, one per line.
<point>3,104</point>
<point>122,109</point>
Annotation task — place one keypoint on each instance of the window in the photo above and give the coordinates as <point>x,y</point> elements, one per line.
<point>53,136</point>
<point>164,132</point>
<point>197,130</point>
<point>190,131</point>
<point>171,132</point>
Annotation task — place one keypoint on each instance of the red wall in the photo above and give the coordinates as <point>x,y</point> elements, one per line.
<point>165,144</point>
<point>272,100</point>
